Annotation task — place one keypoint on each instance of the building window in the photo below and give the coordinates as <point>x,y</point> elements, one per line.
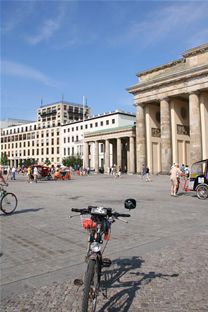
<point>101,123</point>
<point>96,124</point>
<point>107,122</point>
<point>113,121</point>
<point>91,125</point>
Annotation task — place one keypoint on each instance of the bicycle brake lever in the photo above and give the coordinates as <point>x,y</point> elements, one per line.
<point>119,218</point>
<point>74,216</point>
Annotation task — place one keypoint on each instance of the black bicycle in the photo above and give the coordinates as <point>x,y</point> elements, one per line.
<point>8,200</point>
<point>97,220</point>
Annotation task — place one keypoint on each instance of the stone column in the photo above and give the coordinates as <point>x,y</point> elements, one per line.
<point>173,129</point>
<point>132,155</point>
<point>86,155</point>
<point>166,157</point>
<point>119,152</point>
<point>204,123</point>
<point>140,137</point>
<point>96,156</point>
<point>114,152</point>
<point>195,128</point>
<point>107,156</point>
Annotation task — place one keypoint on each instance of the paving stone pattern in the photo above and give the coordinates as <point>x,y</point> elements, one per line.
<point>160,258</point>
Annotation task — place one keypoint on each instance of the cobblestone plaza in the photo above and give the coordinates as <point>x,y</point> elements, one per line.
<point>159,258</point>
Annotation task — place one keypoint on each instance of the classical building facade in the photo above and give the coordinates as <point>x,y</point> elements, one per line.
<point>172,112</point>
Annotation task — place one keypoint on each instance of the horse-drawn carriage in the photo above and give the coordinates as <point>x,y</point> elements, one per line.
<point>43,172</point>
<point>199,178</point>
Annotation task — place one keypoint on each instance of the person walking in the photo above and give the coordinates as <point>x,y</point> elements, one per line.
<point>2,177</point>
<point>147,175</point>
<point>13,173</point>
<point>35,174</point>
<point>29,174</point>
<point>174,175</point>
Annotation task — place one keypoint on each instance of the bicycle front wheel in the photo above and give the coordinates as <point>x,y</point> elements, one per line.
<point>8,203</point>
<point>91,286</point>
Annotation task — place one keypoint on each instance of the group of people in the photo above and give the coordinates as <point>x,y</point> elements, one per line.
<point>175,174</point>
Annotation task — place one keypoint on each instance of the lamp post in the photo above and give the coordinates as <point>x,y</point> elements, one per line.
<point>83,149</point>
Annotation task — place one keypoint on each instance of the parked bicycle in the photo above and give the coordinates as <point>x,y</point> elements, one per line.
<point>97,220</point>
<point>8,200</point>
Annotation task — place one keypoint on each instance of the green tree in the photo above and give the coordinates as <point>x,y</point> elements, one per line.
<point>4,159</point>
<point>28,162</point>
<point>72,161</point>
<point>47,162</point>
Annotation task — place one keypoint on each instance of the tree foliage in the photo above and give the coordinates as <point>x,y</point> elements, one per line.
<point>72,161</point>
<point>47,162</point>
<point>4,159</point>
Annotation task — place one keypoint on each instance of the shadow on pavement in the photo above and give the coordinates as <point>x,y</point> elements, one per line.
<point>120,279</point>
<point>22,211</point>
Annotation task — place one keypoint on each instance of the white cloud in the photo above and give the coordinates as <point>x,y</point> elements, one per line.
<point>47,30</point>
<point>10,68</point>
<point>49,26</point>
<point>169,18</point>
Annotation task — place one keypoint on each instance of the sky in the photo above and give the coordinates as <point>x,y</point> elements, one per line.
<point>93,49</point>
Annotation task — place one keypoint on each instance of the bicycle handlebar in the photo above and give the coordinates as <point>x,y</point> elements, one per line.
<point>109,212</point>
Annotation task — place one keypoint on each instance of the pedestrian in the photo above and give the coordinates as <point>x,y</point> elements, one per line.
<point>119,172</point>
<point>35,174</point>
<point>13,173</point>
<point>174,175</point>
<point>147,175</point>
<point>29,173</point>
<point>2,177</point>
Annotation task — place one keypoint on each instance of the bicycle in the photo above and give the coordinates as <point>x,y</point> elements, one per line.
<point>97,220</point>
<point>8,200</point>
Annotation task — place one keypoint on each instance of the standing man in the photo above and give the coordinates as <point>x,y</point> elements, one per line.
<point>35,174</point>
<point>174,175</point>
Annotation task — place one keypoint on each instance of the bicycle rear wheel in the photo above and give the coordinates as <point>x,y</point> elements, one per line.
<point>8,203</point>
<point>91,286</point>
<point>202,191</point>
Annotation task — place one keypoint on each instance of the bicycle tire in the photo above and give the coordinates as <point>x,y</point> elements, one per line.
<point>202,191</point>
<point>91,286</point>
<point>8,203</point>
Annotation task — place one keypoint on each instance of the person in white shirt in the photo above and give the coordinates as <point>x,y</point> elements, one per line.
<point>35,173</point>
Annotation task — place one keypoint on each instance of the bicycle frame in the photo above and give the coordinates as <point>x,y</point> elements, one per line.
<point>98,222</point>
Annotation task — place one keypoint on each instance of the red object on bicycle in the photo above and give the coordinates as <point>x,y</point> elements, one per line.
<point>106,236</point>
<point>88,224</point>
